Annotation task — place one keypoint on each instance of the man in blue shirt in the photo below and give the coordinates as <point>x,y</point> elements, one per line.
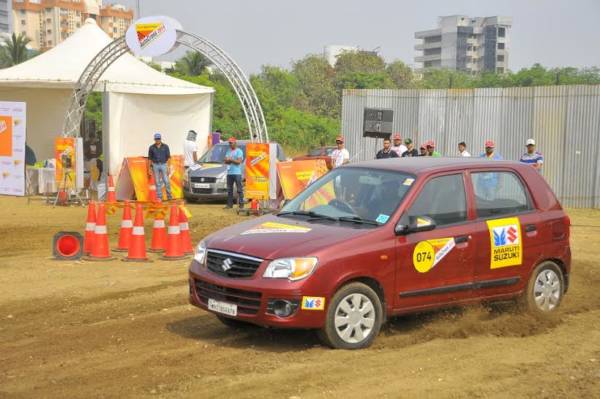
<point>234,158</point>
<point>158,155</point>
<point>533,157</point>
<point>489,182</point>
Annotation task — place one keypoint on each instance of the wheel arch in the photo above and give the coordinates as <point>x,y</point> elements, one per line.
<point>370,282</point>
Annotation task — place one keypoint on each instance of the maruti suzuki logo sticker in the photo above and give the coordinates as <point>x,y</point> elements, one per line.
<point>227,264</point>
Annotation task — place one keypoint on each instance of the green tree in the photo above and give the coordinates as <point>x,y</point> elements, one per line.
<point>361,61</point>
<point>445,79</point>
<point>192,64</point>
<point>277,87</point>
<point>14,50</point>
<point>401,74</point>
<point>316,79</point>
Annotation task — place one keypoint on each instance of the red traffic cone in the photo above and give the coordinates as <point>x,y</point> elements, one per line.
<point>159,234</point>
<point>100,249</point>
<point>184,231</point>
<point>152,189</point>
<point>112,198</point>
<point>174,250</point>
<point>137,247</point>
<point>90,225</point>
<point>126,227</point>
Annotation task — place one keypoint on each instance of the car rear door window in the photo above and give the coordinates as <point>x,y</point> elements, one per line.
<point>499,193</point>
<point>443,199</point>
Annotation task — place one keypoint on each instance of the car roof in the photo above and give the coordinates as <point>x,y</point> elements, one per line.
<point>422,165</point>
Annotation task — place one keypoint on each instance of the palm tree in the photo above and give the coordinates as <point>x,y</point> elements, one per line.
<point>192,64</point>
<point>14,50</point>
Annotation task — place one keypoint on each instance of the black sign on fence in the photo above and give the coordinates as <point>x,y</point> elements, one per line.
<point>378,123</point>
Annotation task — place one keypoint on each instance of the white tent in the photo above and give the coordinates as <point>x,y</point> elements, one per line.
<point>137,100</point>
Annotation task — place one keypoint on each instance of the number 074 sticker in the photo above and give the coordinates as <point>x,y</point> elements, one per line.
<point>428,254</point>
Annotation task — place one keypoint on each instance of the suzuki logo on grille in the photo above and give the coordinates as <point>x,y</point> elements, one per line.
<point>202,179</point>
<point>227,263</point>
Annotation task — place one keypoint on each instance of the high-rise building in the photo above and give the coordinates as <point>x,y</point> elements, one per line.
<point>49,22</point>
<point>5,16</point>
<point>467,44</point>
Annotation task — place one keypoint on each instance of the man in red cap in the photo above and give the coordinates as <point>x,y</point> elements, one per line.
<point>398,147</point>
<point>340,156</point>
<point>234,158</point>
<point>430,144</point>
<point>490,151</point>
<point>423,150</point>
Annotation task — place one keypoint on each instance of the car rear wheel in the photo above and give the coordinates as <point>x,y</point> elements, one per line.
<point>353,318</point>
<point>545,289</point>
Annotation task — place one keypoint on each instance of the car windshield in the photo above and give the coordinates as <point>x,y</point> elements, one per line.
<point>216,154</point>
<point>352,194</point>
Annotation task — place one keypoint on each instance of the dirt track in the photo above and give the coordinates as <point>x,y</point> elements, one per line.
<point>116,329</point>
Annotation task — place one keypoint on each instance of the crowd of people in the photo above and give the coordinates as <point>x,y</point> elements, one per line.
<point>400,149</point>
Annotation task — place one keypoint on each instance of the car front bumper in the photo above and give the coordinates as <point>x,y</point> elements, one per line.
<point>253,298</point>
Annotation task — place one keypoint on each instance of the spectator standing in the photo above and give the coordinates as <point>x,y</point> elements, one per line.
<point>234,157</point>
<point>387,151</point>
<point>462,149</point>
<point>533,157</point>
<point>190,149</point>
<point>490,151</point>
<point>423,150</point>
<point>431,149</point>
<point>398,147</point>
<point>411,151</point>
<point>159,155</point>
<point>340,156</point>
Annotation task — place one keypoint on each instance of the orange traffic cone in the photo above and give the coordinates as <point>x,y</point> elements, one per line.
<point>159,234</point>
<point>100,250</point>
<point>184,231</point>
<point>137,247</point>
<point>152,189</point>
<point>174,250</point>
<point>112,198</point>
<point>255,207</point>
<point>90,225</point>
<point>126,227</point>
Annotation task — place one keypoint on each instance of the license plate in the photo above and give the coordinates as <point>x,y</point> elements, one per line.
<point>222,307</point>
<point>201,185</point>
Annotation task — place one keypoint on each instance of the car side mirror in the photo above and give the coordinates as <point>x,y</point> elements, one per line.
<point>417,225</point>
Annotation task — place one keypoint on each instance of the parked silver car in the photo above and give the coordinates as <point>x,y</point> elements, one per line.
<point>209,179</point>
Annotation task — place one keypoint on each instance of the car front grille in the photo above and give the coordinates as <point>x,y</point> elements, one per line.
<point>248,302</point>
<point>231,265</point>
<point>203,179</point>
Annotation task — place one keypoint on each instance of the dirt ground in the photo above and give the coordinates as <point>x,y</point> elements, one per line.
<point>116,329</point>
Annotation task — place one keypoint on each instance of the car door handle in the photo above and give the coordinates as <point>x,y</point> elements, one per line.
<point>462,239</point>
<point>529,228</point>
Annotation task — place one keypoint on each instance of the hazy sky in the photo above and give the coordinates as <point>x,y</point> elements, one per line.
<point>275,32</point>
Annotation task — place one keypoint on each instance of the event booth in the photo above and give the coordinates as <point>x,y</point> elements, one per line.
<point>137,99</point>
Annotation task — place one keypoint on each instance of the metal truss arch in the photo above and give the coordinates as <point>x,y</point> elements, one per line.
<point>108,55</point>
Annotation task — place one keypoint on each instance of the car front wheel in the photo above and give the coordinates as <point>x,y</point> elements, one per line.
<point>545,289</point>
<point>353,319</point>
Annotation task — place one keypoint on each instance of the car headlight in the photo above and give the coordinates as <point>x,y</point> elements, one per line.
<point>291,268</point>
<point>200,253</point>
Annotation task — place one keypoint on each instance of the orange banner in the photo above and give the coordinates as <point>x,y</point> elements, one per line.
<point>134,178</point>
<point>295,176</point>
<point>64,153</point>
<point>257,171</point>
<point>6,136</point>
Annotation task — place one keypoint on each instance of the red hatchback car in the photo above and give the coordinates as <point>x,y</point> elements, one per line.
<point>381,238</point>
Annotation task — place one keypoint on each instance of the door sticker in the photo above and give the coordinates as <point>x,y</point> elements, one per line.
<point>427,254</point>
<point>505,243</point>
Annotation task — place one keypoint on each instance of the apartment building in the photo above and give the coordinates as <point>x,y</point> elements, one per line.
<point>5,16</point>
<point>49,22</point>
<point>467,44</point>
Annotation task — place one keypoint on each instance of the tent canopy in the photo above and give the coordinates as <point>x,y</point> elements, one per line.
<point>61,66</point>
<point>148,100</point>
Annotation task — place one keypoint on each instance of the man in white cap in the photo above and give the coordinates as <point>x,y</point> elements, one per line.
<point>533,157</point>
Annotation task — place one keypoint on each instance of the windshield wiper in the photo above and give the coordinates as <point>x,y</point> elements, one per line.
<point>357,219</point>
<point>311,214</point>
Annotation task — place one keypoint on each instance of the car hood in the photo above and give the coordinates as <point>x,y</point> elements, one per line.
<point>208,170</point>
<point>271,237</point>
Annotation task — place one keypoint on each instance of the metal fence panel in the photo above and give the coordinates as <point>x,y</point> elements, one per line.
<point>564,121</point>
